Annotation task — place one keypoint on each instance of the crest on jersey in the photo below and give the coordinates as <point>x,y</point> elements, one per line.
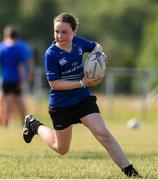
<point>80,52</point>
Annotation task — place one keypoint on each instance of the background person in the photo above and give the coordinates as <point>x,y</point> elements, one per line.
<point>16,63</point>
<point>71,101</point>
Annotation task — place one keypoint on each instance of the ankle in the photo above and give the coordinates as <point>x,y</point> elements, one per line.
<point>34,125</point>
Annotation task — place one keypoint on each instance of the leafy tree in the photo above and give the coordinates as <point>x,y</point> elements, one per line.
<point>148,57</point>
<point>127,29</point>
<point>9,12</point>
<point>39,24</point>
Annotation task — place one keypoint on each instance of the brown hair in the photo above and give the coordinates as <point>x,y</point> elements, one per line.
<point>68,18</point>
<point>11,31</point>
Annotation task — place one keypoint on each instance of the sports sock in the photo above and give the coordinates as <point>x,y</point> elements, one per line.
<point>34,125</point>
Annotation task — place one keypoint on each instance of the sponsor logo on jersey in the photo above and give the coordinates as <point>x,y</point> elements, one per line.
<point>62,61</point>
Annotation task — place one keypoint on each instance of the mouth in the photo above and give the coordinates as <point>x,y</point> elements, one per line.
<point>60,40</point>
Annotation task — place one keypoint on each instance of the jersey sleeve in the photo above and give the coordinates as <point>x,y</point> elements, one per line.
<point>87,45</point>
<point>0,57</point>
<point>51,67</point>
<point>1,49</point>
<point>27,52</point>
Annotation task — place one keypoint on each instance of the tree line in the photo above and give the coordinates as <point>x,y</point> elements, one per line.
<point>127,29</point>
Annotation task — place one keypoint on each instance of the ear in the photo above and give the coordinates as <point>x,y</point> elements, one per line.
<point>75,31</point>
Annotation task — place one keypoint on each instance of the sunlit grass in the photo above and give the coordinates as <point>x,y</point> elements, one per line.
<point>86,159</point>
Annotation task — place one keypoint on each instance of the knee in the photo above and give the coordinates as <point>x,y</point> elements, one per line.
<point>104,136</point>
<point>62,151</point>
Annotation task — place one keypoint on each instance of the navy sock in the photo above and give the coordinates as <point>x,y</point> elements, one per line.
<point>34,125</point>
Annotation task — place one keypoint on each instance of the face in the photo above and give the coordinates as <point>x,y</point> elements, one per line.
<point>63,34</point>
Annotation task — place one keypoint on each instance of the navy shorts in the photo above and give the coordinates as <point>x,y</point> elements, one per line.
<point>11,88</point>
<point>64,117</point>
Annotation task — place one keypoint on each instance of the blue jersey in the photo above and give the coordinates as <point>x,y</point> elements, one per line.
<point>28,55</point>
<point>60,64</point>
<point>11,57</point>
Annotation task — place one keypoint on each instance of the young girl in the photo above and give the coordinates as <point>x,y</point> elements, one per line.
<point>70,99</point>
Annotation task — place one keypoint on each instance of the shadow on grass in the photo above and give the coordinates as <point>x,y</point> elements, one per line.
<point>75,155</point>
<point>103,156</point>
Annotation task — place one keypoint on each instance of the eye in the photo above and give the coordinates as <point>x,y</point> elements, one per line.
<point>56,31</point>
<point>64,32</point>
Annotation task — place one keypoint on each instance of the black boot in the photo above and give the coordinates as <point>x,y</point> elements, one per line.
<point>30,128</point>
<point>131,172</point>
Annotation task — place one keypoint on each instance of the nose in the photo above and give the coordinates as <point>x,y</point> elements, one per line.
<point>60,36</point>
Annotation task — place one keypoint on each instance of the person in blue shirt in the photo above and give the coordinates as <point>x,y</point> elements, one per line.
<point>71,101</point>
<point>15,55</point>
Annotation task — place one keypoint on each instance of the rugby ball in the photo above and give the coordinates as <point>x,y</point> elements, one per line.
<point>95,65</point>
<point>133,124</point>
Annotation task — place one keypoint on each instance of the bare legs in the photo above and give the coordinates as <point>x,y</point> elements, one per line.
<point>3,111</point>
<point>21,107</point>
<point>57,140</point>
<point>9,105</point>
<point>60,140</point>
<point>96,125</point>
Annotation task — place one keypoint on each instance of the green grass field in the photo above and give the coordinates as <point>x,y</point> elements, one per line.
<point>86,159</point>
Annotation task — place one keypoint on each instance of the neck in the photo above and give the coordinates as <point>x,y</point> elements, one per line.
<point>67,47</point>
<point>9,41</point>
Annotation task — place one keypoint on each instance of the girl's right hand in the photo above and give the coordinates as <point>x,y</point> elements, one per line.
<point>91,82</point>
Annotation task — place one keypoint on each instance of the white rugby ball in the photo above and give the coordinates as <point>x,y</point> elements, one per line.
<point>95,65</point>
<point>133,124</point>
